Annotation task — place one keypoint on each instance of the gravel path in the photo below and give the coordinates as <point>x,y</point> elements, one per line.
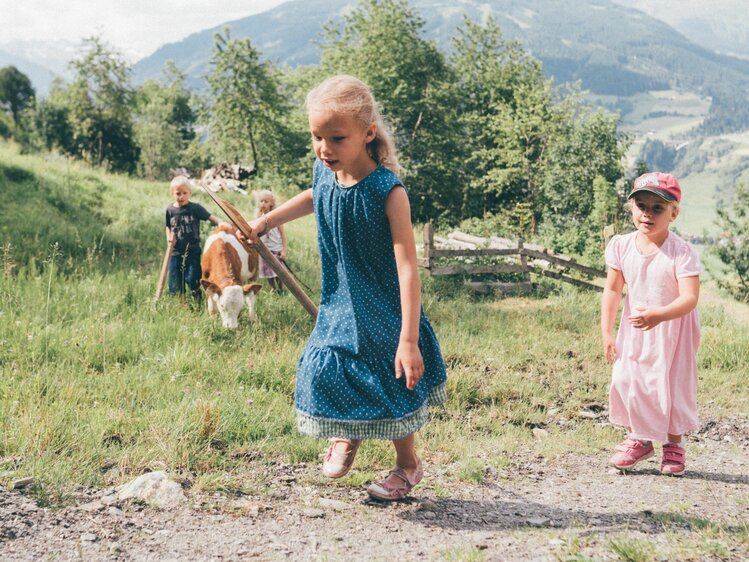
<point>570,509</point>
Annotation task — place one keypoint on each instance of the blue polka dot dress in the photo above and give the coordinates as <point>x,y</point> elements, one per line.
<point>346,386</point>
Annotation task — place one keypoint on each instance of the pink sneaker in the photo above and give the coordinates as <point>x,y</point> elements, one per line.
<point>674,457</point>
<point>629,452</point>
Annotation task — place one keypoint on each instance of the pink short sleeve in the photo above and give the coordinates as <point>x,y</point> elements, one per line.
<point>687,263</point>
<point>613,253</point>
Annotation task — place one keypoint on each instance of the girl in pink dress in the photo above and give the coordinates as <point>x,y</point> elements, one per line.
<point>654,382</point>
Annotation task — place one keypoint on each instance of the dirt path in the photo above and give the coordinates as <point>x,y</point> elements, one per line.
<point>532,511</point>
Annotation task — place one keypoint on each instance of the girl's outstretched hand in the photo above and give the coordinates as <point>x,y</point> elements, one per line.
<point>609,348</point>
<point>408,360</point>
<point>255,225</point>
<point>645,318</point>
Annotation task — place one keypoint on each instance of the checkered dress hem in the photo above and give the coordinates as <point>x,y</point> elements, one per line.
<point>372,429</point>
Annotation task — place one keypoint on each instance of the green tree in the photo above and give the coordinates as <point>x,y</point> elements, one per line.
<point>99,104</point>
<point>248,115</point>
<point>732,249</point>
<point>16,92</point>
<point>380,42</point>
<point>489,71</point>
<point>163,123</point>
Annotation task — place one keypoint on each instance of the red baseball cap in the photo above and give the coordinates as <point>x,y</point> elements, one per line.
<point>663,185</point>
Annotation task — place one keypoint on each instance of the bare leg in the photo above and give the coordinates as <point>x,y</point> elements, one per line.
<point>674,438</point>
<point>405,457</point>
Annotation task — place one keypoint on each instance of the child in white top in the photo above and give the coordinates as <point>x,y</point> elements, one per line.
<point>654,383</point>
<point>274,239</point>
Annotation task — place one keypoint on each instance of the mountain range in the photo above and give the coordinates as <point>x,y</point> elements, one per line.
<point>612,48</point>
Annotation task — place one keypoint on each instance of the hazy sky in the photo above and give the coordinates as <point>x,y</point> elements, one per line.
<point>135,27</point>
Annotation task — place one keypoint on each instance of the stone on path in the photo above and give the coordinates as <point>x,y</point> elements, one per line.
<point>154,488</point>
<point>337,505</point>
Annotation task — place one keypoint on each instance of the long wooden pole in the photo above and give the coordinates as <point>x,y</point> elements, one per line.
<point>239,221</point>
<point>164,270</point>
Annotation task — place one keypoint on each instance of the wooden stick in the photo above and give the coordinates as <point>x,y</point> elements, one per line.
<point>243,226</point>
<point>164,270</point>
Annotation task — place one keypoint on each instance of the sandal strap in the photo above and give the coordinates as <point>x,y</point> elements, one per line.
<point>400,473</point>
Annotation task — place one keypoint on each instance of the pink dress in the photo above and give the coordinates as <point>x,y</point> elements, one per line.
<point>654,383</point>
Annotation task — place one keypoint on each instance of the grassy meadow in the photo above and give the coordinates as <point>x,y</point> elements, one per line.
<point>99,383</point>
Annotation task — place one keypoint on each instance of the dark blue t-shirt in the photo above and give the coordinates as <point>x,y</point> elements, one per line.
<point>184,222</point>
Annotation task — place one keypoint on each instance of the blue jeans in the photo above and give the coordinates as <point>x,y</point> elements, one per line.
<point>184,269</point>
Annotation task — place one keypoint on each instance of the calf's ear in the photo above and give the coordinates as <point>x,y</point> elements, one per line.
<point>209,287</point>
<point>254,287</point>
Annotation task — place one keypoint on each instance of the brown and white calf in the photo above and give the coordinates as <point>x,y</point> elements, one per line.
<point>229,272</point>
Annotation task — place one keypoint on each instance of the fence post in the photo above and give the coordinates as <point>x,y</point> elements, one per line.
<point>428,246</point>
<point>523,261</point>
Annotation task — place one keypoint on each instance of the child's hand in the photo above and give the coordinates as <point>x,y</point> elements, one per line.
<point>645,318</point>
<point>609,348</point>
<point>253,235</point>
<point>282,255</point>
<point>408,359</point>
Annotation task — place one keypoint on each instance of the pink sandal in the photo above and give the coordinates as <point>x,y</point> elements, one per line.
<point>674,457</point>
<point>629,452</point>
<point>337,464</point>
<point>387,491</point>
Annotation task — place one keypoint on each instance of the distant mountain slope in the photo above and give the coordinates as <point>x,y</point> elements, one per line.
<point>720,25</point>
<point>40,60</point>
<point>40,76</point>
<point>613,49</point>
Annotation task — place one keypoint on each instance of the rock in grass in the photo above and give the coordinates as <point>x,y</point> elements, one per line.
<point>154,488</point>
<point>313,513</point>
<point>540,433</point>
<point>21,483</point>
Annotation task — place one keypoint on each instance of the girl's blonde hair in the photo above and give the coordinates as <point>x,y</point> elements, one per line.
<point>349,95</point>
<point>259,194</point>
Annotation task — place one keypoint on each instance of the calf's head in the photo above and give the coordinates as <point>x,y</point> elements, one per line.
<point>230,300</point>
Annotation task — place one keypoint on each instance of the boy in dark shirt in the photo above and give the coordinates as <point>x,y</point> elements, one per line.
<point>183,231</point>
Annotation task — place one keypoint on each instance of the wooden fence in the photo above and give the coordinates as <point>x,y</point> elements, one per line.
<point>509,257</point>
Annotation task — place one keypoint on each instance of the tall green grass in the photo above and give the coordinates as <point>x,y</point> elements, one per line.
<point>93,373</point>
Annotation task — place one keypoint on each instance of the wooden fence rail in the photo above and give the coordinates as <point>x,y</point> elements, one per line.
<point>529,259</point>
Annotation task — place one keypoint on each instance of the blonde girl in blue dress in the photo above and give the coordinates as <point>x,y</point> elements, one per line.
<point>372,365</point>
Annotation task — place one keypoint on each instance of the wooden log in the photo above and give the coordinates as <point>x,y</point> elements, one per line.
<point>443,253</point>
<point>469,238</point>
<point>498,242</point>
<point>477,269</point>
<point>164,270</point>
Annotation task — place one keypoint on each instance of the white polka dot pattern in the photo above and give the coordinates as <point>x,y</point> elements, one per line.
<point>345,378</point>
